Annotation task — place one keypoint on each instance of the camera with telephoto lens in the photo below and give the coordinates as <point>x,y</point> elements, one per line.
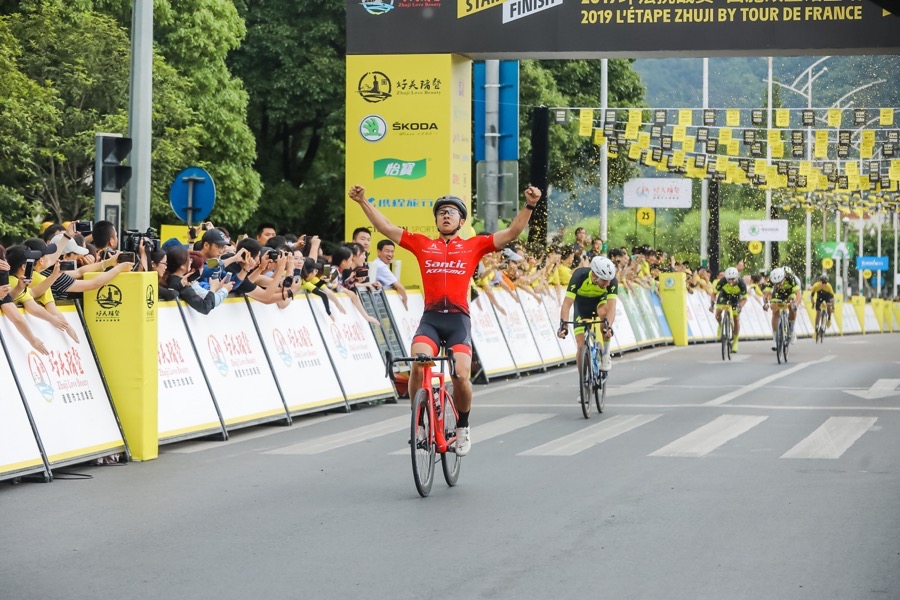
<point>132,240</point>
<point>274,254</point>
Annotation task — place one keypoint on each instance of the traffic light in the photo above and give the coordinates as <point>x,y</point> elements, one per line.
<point>111,152</point>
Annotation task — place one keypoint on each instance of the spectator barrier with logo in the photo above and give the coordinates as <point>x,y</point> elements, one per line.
<point>248,363</point>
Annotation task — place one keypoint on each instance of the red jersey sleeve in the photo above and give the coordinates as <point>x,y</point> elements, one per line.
<point>482,245</point>
<point>413,241</point>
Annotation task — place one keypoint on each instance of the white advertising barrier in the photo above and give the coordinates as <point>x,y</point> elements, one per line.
<point>851,321</point>
<point>71,409</point>
<point>755,323</point>
<point>518,336</point>
<point>624,337</point>
<point>407,318</point>
<point>699,317</point>
<point>871,322</point>
<point>19,451</point>
<point>553,306</point>
<point>233,359</point>
<point>298,354</point>
<point>353,351</point>
<point>186,406</point>
<point>803,324</point>
<point>647,314</point>
<point>487,338</point>
<point>626,299</point>
<point>543,332</point>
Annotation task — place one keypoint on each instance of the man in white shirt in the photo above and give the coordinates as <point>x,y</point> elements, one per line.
<point>383,273</point>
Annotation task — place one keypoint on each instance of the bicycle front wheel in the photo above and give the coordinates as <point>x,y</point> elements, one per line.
<point>450,462</point>
<point>779,340</point>
<point>726,337</point>
<point>786,336</point>
<point>600,394</point>
<point>585,381</point>
<point>421,439</point>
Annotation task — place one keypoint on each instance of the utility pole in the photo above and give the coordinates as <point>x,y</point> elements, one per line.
<point>140,114</point>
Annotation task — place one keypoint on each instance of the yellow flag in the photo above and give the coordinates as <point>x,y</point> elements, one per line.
<point>678,133</point>
<point>733,117</point>
<point>782,117</point>
<point>643,140</point>
<point>778,150</point>
<point>688,144</point>
<point>866,150</point>
<point>725,134</point>
<point>774,136</point>
<point>684,116</point>
<point>852,168</point>
<point>599,138</point>
<point>677,159</point>
<point>760,166</point>
<point>805,167</point>
<point>868,136</point>
<point>634,152</point>
<point>733,148</point>
<point>635,116</point>
<point>721,164</point>
<point>834,117</point>
<point>886,116</point>
<point>585,122</point>
<point>631,130</point>
<point>821,150</point>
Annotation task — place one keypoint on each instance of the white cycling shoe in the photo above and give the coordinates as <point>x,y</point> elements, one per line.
<point>605,362</point>
<point>463,441</point>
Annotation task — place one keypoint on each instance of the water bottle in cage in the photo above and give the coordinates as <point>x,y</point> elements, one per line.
<point>437,402</point>
<point>595,358</point>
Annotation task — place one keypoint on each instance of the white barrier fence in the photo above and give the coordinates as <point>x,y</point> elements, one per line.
<point>247,363</point>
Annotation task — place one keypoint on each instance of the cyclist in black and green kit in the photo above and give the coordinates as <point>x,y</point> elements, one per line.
<point>729,290</point>
<point>593,291</point>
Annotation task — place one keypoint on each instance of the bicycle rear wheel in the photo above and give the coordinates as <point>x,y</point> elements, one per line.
<point>600,393</point>
<point>450,462</point>
<point>585,381</point>
<point>422,444</point>
<point>726,336</point>
<point>779,340</point>
<point>786,337</point>
<point>820,327</point>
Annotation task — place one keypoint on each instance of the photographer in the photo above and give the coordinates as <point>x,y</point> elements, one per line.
<point>310,282</point>
<point>244,265</point>
<point>9,310</point>
<point>22,261</point>
<point>182,271</point>
<point>64,277</point>
<point>159,263</point>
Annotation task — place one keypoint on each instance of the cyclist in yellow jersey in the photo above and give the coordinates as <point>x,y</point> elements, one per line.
<point>820,292</point>
<point>782,292</point>
<point>729,290</point>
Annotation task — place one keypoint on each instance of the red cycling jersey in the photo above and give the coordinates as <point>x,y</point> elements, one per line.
<point>447,267</point>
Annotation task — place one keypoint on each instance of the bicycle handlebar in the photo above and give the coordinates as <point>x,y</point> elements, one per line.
<point>389,361</point>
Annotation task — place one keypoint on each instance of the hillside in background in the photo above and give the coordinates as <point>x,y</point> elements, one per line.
<point>740,82</point>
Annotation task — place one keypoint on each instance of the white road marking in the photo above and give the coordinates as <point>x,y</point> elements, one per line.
<point>704,440</point>
<point>883,388</point>
<point>346,438</point>
<point>832,439</point>
<point>244,435</point>
<point>498,427</point>
<point>766,380</point>
<point>590,436</point>
<point>641,385</point>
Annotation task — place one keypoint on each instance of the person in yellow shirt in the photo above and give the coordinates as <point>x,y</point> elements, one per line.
<point>822,292</point>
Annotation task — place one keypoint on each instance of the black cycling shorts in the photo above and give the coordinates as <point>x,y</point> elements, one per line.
<point>453,330</point>
<point>823,296</point>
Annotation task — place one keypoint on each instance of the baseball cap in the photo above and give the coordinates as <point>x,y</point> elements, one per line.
<point>16,256</point>
<point>40,245</point>
<point>214,236</point>
<point>71,245</point>
<point>171,243</point>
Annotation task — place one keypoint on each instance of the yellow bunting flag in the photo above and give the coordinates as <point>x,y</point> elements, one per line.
<point>866,150</point>
<point>644,140</point>
<point>631,131</point>
<point>634,152</point>
<point>778,150</point>
<point>733,148</point>
<point>886,116</point>
<point>805,167</point>
<point>782,117</point>
<point>774,136</point>
<point>599,138</point>
<point>725,135</point>
<point>677,159</point>
<point>868,136</point>
<point>688,144</point>
<point>821,143</point>
<point>635,115</point>
<point>684,116</point>
<point>852,168</point>
<point>678,133</point>
<point>733,117</point>
<point>834,117</point>
<point>585,122</point>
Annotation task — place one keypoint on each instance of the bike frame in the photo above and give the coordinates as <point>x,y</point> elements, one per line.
<point>435,417</point>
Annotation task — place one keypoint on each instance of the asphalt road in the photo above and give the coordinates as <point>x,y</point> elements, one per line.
<point>701,480</point>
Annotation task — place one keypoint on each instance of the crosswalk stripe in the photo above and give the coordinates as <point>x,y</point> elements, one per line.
<point>346,438</point>
<point>832,439</point>
<point>704,440</point>
<point>574,443</point>
<point>498,427</point>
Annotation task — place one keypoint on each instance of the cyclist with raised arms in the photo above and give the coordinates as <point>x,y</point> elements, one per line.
<point>820,292</point>
<point>783,291</point>
<point>593,291</point>
<point>732,290</point>
<point>447,263</point>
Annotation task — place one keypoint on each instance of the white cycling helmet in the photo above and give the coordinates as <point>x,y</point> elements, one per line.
<point>603,268</point>
<point>787,270</point>
<point>731,273</point>
<point>776,276</point>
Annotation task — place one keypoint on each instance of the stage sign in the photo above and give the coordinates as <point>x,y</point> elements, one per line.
<point>629,29</point>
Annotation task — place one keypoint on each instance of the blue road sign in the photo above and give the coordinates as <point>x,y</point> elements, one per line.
<point>192,195</point>
<point>508,119</point>
<point>873,263</point>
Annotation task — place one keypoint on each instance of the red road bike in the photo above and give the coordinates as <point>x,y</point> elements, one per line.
<point>432,422</point>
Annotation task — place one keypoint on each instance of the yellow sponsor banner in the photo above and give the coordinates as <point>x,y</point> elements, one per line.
<point>773,136</point>
<point>464,8</point>
<point>420,117</point>
<point>688,144</point>
<point>685,115</point>
<point>635,116</point>
<point>122,319</point>
<point>631,130</point>
<point>782,117</point>
<point>725,135</point>
<point>834,117</point>
<point>733,117</point>
<point>585,122</point>
<point>677,159</point>
<point>866,150</point>
<point>805,167</point>
<point>886,116</point>
<point>778,150</point>
<point>678,133</point>
<point>821,150</point>
<point>599,138</point>
<point>179,232</point>
<point>851,168</point>
<point>868,136</point>
<point>644,140</point>
<point>733,148</point>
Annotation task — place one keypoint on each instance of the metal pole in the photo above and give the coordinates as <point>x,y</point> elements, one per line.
<point>140,108</point>
<point>859,272</point>
<point>838,275</point>
<point>896,270</point>
<point>768,261</point>
<point>604,156</point>
<point>809,143</point>
<point>846,269</point>
<point>491,143</point>
<point>704,183</point>
<point>878,282</point>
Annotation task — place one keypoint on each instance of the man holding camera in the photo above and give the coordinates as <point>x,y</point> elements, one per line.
<point>59,272</point>
<point>22,261</point>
